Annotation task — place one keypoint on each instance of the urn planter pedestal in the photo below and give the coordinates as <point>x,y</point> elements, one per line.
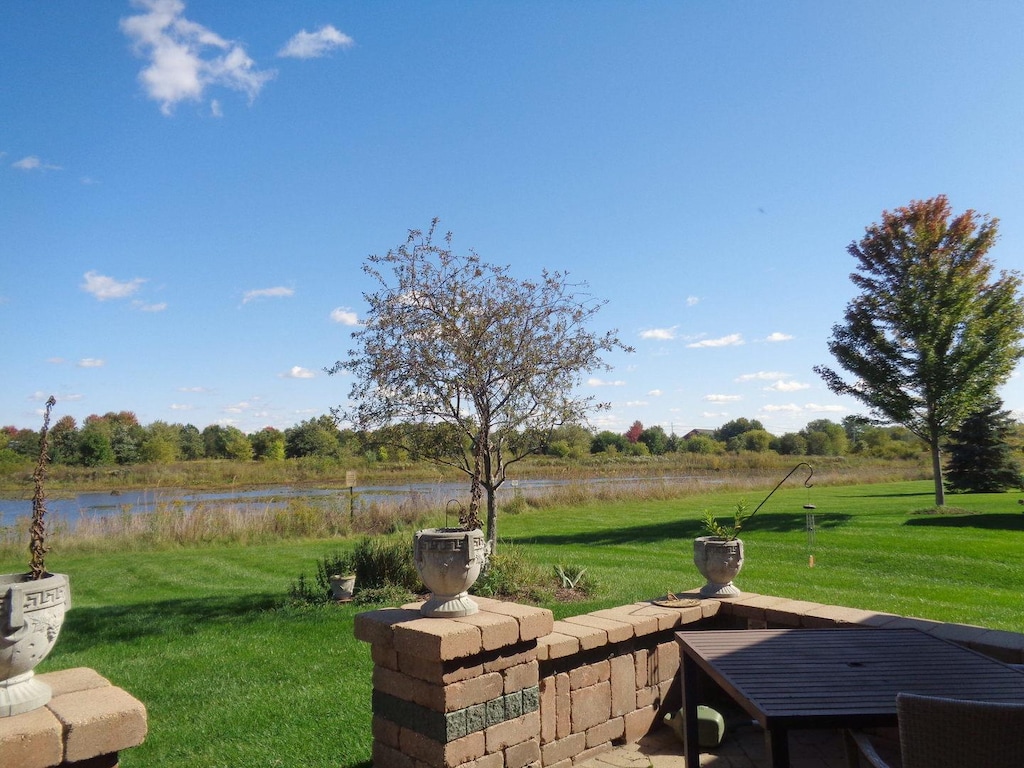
<point>719,561</point>
<point>449,561</point>
<point>31,615</point>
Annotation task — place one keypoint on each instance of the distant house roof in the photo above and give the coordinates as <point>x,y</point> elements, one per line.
<point>696,432</point>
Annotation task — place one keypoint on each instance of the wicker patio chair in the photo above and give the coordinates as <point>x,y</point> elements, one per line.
<point>952,733</point>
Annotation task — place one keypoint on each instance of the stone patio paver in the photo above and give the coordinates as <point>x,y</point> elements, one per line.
<point>743,747</point>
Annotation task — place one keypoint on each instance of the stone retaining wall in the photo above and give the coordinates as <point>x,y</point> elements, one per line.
<point>509,687</point>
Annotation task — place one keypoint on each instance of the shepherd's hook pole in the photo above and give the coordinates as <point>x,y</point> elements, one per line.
<point>807,484</point>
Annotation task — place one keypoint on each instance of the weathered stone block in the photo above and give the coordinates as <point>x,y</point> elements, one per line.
<point>557,646</point>
<point>563,706</point>
<point>385,731</point>
<point>442,639</point>
<point>563,749</point>
<point>589,637</point>
<point>476,718</point>
<point>531,699</point>
<point>496,760</point>
<point>638,724</point>
<point>642,672</point>
<point>512,732</point>
<point>73,680</point>
<point>513,705</point>
<point>408,688</point>
<point>623,680</point>
<point>533,622</point>
<point>616,631</point>
<point>384,656</point>
<point>390,757</point>
<point>590,706</point>
<point>522,754</point>
<point>378,627</point>
<point>99,721</point>
<point>455,725</point>
<point>522,676</point>
<point>547,709</point>
<point>495,711</point>
<point>590,674</point>
<point>604,732</point>
<point>496,631</point>
<point>434,753</point>
<point>641,624</point>
<point>31,740</point>
<point>476,691</point>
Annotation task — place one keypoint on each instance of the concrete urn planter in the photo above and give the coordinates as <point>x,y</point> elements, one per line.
<point>31,615</point>
<point>719,561</point>
<point>342,587</point>
<point>449,561</point>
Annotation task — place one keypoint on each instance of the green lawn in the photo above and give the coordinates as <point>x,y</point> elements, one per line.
<point>232,677</point>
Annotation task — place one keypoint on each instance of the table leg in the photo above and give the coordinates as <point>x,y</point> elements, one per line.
<point>776,744</point>
<point>692,743</point>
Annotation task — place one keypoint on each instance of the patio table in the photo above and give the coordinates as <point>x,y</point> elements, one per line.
<point>832,678</point>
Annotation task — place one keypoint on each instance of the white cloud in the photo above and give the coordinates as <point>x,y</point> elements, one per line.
<point>635,403</point>
<point>773,337</point>
<point>33,163</point>
<point>815,408</point>
<point>345,316</point>
<point>595,382</point>
<point>311,45</point>
<point>185,58</point>
<point>732,340</point>
<point>180,407</point>
<point>692,300</point>
<point>268,293</point>
<point>91,362</point>
<point>722,398</point>
<point>790,408</point>
<point>655,393</point>
<point>762,376</point>
<point>201,390</point>
<point>144,307</point>
<point>298,372</point>
<point>663,334</point>
<point>103,287</point>
<point>788,386</point>
<point>56,360</point>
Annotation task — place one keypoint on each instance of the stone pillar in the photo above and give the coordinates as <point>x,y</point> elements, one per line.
<point>87,722</point>
<point>459,692</point>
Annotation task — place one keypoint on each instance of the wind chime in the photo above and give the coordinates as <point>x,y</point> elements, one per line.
<point>809,507</point>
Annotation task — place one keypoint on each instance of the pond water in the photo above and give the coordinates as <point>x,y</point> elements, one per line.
<point>87,505</point>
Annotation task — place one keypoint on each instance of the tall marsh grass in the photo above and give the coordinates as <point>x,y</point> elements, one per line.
<point>172,522</point>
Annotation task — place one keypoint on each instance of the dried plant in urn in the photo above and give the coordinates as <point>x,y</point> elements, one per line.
<point>32,605</point>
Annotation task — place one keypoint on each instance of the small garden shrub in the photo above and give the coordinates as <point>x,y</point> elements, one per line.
<point>575,581</point>
<point>319,591</point>
<point>511,576</point>
<point>384,561</point>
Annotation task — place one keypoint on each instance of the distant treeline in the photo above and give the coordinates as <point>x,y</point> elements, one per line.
<point>119,439</point>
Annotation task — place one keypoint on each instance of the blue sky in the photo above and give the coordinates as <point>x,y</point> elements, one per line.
<point>188,189</point>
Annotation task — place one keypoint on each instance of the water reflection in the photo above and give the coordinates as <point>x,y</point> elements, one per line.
<point>93,505</point>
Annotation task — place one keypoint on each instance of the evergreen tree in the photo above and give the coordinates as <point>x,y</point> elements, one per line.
<point>980,458</point>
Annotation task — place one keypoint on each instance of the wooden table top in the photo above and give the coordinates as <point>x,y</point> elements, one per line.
<point>843,677</point>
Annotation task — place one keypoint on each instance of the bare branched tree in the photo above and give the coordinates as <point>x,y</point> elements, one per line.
<point>464,365</point>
